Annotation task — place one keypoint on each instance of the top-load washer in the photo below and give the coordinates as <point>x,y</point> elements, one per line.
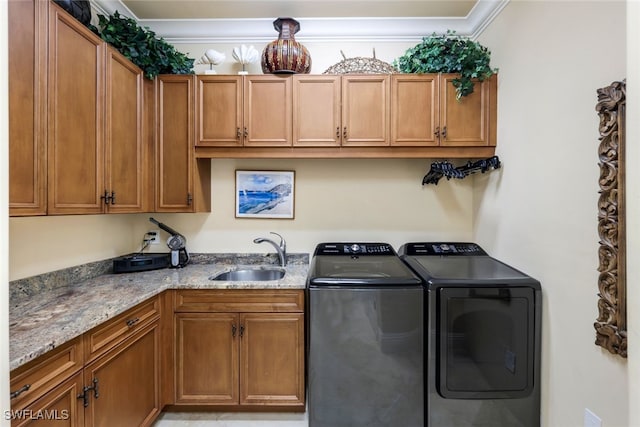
<point>365,340</point>
<point>482,337</point>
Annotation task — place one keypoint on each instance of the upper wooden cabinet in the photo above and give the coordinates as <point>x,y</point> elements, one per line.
<point>78,141</point>
<point>471,120</point>
<point>340,111</point>
<point>425,112</point>
<point>365,110</point>
<point>75,116</point>
<point>351,115</point>
<point>175,135</point>
<point>183,184</point>
<point>267,111</point>
<point>415,109</point>
<point>316,111</point>
<point>127,154</point>
<point>236,111</point>
<point>219,111</point>
<point>27,107</point>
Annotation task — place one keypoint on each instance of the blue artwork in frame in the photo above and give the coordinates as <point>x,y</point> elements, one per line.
<point>265,194</point>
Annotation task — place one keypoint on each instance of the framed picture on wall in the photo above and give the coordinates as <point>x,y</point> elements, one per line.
<point>265,194</point>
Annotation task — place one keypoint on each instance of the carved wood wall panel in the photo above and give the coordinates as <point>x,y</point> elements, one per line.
<point>611,324</point>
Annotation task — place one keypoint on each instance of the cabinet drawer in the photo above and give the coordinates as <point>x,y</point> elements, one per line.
<point>104,337</point>
<point>239,300</point>
<point>36,378</point>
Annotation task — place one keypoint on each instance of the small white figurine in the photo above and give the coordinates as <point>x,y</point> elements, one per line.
<point>211,57</point>
<point>245,55</point>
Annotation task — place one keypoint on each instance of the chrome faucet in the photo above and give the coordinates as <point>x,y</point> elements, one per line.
<point>281,248</point>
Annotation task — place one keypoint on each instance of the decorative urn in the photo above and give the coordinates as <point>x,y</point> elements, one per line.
<point>286,55</point>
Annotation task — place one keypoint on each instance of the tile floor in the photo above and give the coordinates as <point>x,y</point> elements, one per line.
<point>197,419</point>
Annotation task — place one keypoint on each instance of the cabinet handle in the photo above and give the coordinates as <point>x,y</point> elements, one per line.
<point>238,134</point>
<point>241,331</point>
<point>437,132</point>
<point>21,390</point>
<point>344,133</point>
<point>246,132</point>
<point>189,199</point>
<point>113,197</point>
<point>132,322</point>
<point>85,389</point>
<point>105,197</point>
<point>444,132</point>
<point>234,328</point>
<point>338,132</point>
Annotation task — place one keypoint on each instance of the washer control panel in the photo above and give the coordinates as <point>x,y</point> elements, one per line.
<point>442,248</point>
<point>354,249</point>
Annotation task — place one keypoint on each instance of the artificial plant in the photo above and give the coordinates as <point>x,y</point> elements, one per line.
<point>140,45</point>
<point>449,53</point>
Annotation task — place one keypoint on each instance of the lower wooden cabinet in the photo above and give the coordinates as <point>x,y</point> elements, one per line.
<point>230,355</point>
<point>124,383</point>
<point>120,387</point>
<point>58,408</point>
<point>223,349</point>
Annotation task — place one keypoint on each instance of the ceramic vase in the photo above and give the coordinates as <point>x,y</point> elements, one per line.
<point>286,55</point>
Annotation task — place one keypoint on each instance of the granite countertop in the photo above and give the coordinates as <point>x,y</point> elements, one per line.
<point>42,317</point>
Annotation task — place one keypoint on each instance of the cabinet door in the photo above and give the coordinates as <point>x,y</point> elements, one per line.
<point>414,109</point>
<point>175,143</point>
<point>75,116</point>
<point>219,108</point>
<point>27,107</point>
<point>316,111</point>
<point>272,359</point>
<point>127,383</point>
<point>207,358</point>
<point>267,111</point>
<point>365,110</point>
<point>469,121</point>
<point>58,408</point>
<point>124,148</point>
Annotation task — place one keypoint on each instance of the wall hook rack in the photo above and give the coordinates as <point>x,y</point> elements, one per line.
<point>448,170</point>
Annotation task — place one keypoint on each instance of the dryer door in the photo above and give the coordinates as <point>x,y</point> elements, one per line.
<point>485,342</point>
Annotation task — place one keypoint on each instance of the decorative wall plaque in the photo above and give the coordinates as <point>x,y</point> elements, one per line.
<point>611,324</point>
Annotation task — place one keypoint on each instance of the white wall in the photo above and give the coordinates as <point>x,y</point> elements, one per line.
<point>633,207</point>
<point>334,200</point>
<point>539,213</point>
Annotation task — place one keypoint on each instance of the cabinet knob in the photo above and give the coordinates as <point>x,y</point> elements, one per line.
<point>444,132</point>
<point>344,133</point>
<point>338,132</point>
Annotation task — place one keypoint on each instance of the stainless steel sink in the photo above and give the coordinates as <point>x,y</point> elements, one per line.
<point>250,275</point>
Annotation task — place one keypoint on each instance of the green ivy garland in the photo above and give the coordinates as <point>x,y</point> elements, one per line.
<point>449,53</point>
<point>140,45</point>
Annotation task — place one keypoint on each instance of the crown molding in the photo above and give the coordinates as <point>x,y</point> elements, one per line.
<point>257,30</point>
